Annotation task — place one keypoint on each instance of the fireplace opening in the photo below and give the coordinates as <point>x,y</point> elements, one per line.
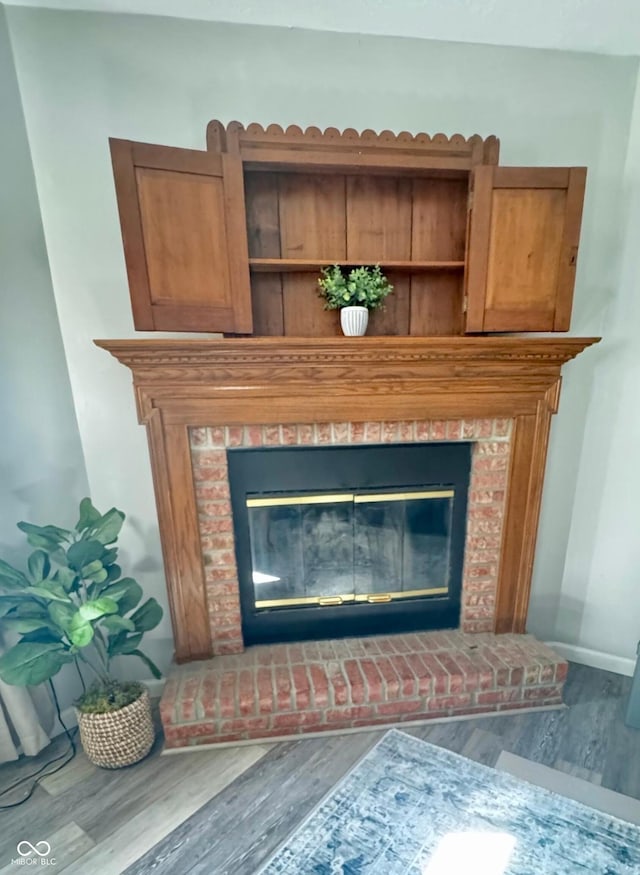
<point>349,540</point>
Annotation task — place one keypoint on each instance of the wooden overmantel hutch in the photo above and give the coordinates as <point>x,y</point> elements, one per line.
<point>232,239</point>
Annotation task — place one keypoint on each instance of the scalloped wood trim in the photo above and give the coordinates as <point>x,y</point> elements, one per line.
<point>216,137</point>
<point>253,138</point>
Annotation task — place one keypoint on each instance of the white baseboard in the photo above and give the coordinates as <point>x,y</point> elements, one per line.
<point>594,658</point>
<point>68,715</point>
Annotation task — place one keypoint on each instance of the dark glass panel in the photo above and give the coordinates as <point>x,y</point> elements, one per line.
<point>307,548</point>
<point>379,531</point>
<point>327,533</point>
<point>276,552</point>
<point>427,543</point>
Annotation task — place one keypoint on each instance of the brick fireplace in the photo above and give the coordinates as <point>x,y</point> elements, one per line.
<point>485,508</point>
<point>201,398</point>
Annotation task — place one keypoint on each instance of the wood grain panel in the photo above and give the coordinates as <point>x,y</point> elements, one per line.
<point>166,317</point>
<point>263,218</point>
<point>183,256</point>
<point>312,216</point>
<point>518,274</point>
<point>263,234</point>
<point>237,251</point>
<point>530,440</point>
<point>267,303</point>
<point>183,160</point>
<point>391,403</point>
<point>477,252</point>
<point>328,162</point>
<point>393,319</point>
<point>303,310</point>
<point>180,537</point>
<point>523,243</point>
<point>532,177</point>
<point>436,304</point>
<point>378,219</point>
<point>314,265</point>
<point>569,252</point>
<point>184,233</point>
<point>217,137</point>
<point>439,219</point>
<point>124,173</point>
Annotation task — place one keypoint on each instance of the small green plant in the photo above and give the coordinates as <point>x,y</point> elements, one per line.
<point>363,287</point>
<point>73,605</point>
<point>111,696</point>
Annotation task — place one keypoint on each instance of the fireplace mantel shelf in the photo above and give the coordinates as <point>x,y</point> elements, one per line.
<point>320,380</point>
<point>339,350</point>
<point>251,382</point>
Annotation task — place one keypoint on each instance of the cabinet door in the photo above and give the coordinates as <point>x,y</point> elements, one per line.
<point>524,227</point>
<point>182,217</point>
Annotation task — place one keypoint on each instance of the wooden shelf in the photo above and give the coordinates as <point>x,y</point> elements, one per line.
<point>287,265</point>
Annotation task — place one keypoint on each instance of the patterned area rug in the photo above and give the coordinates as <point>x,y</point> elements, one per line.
<point>410,808</point>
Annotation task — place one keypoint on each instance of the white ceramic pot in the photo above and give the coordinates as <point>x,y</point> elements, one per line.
<point>354,321</point>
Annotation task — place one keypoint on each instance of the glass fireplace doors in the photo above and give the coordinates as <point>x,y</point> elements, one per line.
<point>330,549</point>
<point>349,540</point>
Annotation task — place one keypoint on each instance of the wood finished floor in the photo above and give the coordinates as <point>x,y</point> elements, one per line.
<point>223,812</point>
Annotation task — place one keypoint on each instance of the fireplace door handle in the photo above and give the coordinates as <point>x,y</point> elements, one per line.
<point>378,598</point>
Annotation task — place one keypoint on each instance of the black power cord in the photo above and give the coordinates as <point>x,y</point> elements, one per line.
<point>67,756</point>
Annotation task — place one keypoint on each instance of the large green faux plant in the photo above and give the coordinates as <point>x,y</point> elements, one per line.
<point>71,604</point>
<point>362,287</point>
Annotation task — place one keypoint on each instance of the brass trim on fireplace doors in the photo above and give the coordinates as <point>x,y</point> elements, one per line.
<point>344,497</point>
<point>326,498</point>
<point>371,598</point>
<point>362,498</point>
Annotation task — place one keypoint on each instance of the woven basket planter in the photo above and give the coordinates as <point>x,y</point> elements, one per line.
<point>118,738</point>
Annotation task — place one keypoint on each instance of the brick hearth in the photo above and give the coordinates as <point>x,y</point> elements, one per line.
<point>319,686</point>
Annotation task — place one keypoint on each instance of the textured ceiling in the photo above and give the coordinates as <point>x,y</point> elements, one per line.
<point>605,26</point>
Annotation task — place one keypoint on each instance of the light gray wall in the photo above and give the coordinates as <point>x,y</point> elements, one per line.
<point>599,607</point>
<point>42,472</point>
<point>85,77</point>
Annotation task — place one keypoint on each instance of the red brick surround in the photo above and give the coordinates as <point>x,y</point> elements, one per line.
<point>489,470</point>
<point>319,686</point>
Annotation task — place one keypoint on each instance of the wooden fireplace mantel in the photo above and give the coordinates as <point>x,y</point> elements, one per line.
<point>188,383</point>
